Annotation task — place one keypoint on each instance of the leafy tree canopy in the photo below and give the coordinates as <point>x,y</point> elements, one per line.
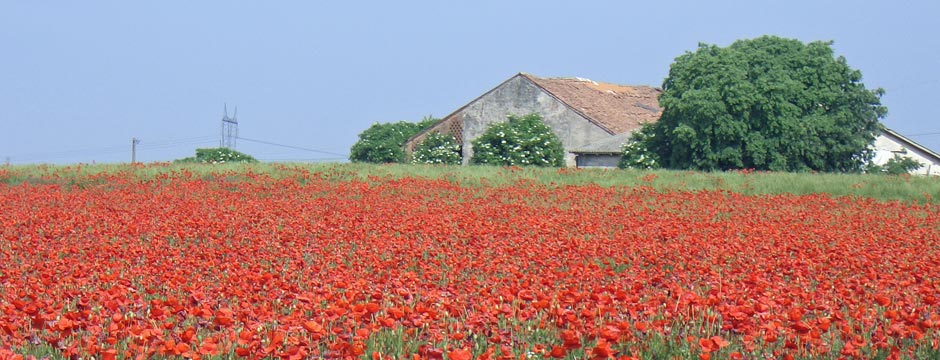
<point>219,155</point>
<point>522,140</point>
<point>437,148</point>
<point>383,143</point>
<point>766,104</point>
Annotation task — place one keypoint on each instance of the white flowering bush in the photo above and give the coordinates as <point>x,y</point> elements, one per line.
<point>520,141</point>
<point>217,156</point>
<point>437,148</point>
<point>635,153</point>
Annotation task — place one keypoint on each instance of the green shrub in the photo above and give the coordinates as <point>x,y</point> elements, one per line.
<point>217,156</point>
<point>383,143</point>
<point>637,156</point>
<point>437,148</point>
<point>522,140</point>
<point>897,165</point>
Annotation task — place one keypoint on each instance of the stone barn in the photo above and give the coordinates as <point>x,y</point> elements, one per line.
<point>592,119</point>
<point>891,143</point>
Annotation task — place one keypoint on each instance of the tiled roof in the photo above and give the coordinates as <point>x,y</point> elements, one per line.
<point>911,143</point>
<point>616,108</point>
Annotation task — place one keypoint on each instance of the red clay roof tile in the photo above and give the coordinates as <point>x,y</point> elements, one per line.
<point>616,108</point>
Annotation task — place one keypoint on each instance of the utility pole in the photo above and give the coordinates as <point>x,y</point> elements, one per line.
<point>134,142</point>
<point>229,129</point>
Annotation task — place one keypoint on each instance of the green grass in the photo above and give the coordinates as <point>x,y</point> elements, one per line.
<point>919,189</point>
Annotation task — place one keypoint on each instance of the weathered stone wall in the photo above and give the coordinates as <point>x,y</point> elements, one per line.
<point>519,96</point>
<point>598,160</point>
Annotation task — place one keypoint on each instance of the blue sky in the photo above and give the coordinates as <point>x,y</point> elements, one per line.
<point>78,80</point>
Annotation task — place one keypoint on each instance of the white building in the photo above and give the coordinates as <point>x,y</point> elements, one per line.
<point>890,143</point>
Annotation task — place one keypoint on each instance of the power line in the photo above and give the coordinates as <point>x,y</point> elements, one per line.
<point>72,153</point>
<point>182,140</point>
<point>163,144</point>
<point>108,150</point>
<point>175,145</point>
<point>292,147</point>
<point>912,85</point>
<point>925,134</point>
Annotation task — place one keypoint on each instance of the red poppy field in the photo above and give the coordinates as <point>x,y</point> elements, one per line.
<point>249,265</point>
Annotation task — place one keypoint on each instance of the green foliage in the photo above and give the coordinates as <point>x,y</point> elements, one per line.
<point>766,104</point>
<point>437,148</point>
<point>897,165</point>
<point>427,122</point>
<point>901,165</point>
<point>217,156</point>
<point>635,154</point>
<point>383,143</point>
<point>522,140</point>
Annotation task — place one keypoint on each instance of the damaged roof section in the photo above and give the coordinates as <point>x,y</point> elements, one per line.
<point>615,108</point>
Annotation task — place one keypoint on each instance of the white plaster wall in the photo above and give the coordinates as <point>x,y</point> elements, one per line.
<point>886,148</point>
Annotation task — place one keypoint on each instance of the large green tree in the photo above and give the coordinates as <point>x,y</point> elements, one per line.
<point>769,104</point>
<point>384,142</point>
